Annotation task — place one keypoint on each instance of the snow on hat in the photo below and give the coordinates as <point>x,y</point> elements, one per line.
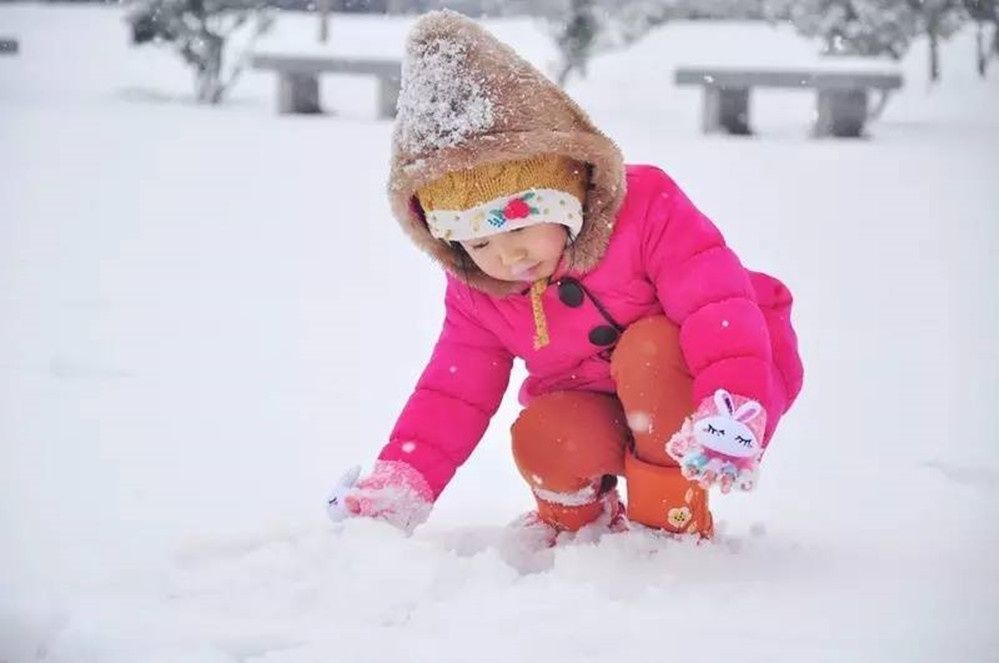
<point>468,100</point>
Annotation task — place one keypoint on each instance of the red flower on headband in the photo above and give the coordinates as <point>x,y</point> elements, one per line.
<point>516,209</point>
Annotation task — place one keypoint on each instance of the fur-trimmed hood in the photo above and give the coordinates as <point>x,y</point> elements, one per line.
<point>467,99</point>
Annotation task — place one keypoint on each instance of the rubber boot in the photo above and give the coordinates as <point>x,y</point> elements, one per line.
<point>661,498</point>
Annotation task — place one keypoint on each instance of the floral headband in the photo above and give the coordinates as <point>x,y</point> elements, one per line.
<point>519,210</point>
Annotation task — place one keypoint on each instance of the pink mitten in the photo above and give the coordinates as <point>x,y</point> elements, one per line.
<point>394,492</point>
<point>721,442</point>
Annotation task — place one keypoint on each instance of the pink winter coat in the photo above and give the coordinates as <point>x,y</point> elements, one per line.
<point>664,257</point>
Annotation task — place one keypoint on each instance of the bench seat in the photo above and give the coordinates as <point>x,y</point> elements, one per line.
<point>298,79</point>
<point>842,96</point>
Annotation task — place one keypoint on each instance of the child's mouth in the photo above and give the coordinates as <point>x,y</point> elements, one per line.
<point>525,272</point>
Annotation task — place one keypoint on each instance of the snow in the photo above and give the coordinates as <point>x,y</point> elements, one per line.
<point>206,315</point>
<point>442,102</point>
<point>639,422</point>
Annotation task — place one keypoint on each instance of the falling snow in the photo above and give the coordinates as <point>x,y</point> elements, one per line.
<point>162,504</point>
<point>639,422</point>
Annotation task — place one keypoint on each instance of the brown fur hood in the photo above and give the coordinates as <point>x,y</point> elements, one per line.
<point>467,99</point>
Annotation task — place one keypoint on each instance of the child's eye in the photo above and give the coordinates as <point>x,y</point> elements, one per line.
<point>715,431</point>
<point>744,441</point>
<point>480,245</point>
<point>517,230</point>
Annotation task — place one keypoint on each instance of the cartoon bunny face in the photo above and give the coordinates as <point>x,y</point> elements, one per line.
<point>726,432</point>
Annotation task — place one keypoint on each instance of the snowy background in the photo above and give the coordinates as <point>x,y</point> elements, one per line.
<point>207,313</point>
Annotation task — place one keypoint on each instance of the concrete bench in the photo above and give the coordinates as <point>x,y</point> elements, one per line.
<point>842,96</point>
<point>298,79</point>
<point>8,46</point>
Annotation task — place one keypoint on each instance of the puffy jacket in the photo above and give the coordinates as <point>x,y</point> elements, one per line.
<point>663,257</point>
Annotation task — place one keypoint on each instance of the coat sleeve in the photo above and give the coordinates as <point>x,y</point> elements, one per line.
<point>456,396</point>
<point>705,289</point>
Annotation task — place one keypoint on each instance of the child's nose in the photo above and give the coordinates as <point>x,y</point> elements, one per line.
<point>511,255</point>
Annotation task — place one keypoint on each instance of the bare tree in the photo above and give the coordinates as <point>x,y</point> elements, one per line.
<point>877,27</point>
<point>938,20</point>
<point>576,39</point>
<point>984,12</point>
<point>583,28</point>
<point>869,28</point>
<point>199,30</point>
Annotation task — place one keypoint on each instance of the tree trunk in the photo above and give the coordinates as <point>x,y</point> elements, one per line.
<point>934,53</point>
<point>209,77</point>
<point>576,41</point>
<point>563,73</point>
<point>830,45</point>
<point>980,48</point>
<point>324,20</point>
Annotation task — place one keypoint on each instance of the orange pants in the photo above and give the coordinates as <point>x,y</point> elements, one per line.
<point>570,445</point>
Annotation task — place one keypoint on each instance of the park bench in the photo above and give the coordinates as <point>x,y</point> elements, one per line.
<point>842,96</point>
<point>8,46</point>
<point>298,79</point>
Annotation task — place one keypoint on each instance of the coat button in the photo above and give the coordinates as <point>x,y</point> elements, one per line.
<point>603,335</point>
<point>570,293</point>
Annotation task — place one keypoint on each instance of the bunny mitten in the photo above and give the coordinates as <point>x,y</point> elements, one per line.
<point>394,492</point>
<point>721,442</point>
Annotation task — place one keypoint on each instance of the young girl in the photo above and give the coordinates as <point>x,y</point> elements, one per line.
<point>652,353</point>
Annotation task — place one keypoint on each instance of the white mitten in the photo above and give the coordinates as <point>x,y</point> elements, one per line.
<point>394,492</point>
<point>336,507</point>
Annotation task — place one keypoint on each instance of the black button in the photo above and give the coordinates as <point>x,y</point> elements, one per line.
<point>570,293</point>
<point>603,335</point>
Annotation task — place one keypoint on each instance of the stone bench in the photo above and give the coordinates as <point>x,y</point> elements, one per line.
<point>842,96</point>
<point>8,46</point>
<point>298,79</point>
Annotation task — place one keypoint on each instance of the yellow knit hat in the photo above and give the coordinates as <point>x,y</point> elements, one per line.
<point>493,198</point>
<point>496,197</point>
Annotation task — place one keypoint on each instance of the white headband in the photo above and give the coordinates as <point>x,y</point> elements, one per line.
<point>519,210</point>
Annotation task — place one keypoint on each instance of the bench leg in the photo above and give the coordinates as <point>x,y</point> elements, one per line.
<point>388,97</point>
<point>841,113</point>
<point>725,109</point>
<point>298,93</point>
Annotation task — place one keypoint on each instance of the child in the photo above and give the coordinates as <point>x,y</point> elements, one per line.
<point>639,328</point>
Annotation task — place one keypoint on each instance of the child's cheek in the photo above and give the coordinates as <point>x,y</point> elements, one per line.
<point>558,247</point>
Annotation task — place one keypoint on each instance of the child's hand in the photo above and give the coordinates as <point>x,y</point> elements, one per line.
<point>721,443</point>
<point>393,492</point>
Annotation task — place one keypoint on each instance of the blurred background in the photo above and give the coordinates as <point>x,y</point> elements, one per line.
<point>207,312</point>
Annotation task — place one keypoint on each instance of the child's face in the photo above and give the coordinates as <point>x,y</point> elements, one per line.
<point>527,254</point>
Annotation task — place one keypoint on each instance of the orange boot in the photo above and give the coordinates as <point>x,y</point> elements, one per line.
<point>660,497</point>
<point>551,523</point>
<point>656,391</point>
<point>569,447</point>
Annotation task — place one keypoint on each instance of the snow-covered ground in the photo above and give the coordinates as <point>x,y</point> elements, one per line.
<point>206,314</point>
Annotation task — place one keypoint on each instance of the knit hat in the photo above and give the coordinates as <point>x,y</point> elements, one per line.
<point>468,101</point>
<point>495,198</point>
